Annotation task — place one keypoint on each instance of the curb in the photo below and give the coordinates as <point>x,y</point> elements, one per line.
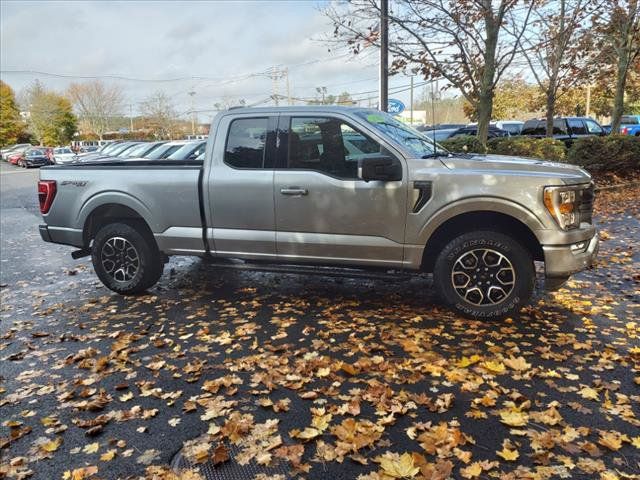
<point>619,186</point>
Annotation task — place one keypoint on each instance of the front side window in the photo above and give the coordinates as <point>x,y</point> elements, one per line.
<point>629,120</point>
<point>328,145</point>
<point>593,127</point>
<point>246,143</point>
<point>577,127</point>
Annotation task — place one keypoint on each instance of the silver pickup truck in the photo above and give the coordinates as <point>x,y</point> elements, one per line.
<point>330,186</point>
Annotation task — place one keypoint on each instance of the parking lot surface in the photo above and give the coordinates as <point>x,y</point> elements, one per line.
<point>295,376</point>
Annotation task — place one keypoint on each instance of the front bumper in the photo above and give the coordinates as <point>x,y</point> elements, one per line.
<point>563,260</point>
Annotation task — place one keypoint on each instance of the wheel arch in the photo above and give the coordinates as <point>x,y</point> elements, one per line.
<point>485,219</point>
<point>107,213</point>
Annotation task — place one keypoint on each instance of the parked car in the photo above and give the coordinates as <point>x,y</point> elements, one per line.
<point>14,157</point>
<point>607,129</point>
<point>566,129</point>
<point>34,157</point>
<point>263,193</point>
<point>143,149</point>
<point>110,151</point>
<point>441,134</point>
<point>163,151</point>
<point>188,151</point>
<point>19,148</point>
<point>439,126</point>
<point>472,130</point>
<point>514,127</point>
<point>89,149</point>
<point>630,125</point>
<point>63,155</point>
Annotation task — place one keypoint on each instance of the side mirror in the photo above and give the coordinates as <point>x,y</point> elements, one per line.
<point>383,168</point>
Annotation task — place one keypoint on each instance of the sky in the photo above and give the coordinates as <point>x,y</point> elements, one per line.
<point>218,49</point>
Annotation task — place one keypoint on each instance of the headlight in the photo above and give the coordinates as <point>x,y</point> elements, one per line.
<point>561,204</point>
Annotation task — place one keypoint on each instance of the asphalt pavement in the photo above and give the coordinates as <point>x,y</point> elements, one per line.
<point>256,358</point>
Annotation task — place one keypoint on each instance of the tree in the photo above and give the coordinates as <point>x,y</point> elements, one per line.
<point>557,48</point>
<point>96,103</point>
<point>159,115</point>
<point>11,124</point>
<point>51,118</point>
<point>513,98</point>
<point>470,43</point>
<point>323,98</point>
<point>618,31</point>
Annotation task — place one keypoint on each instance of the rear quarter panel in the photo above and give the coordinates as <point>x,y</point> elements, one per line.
<point>166,198</point>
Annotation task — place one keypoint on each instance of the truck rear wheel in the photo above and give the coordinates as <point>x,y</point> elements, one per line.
<point>484,274</point>
<point>125,259</point>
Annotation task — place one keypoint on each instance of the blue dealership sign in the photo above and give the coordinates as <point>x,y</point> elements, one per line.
<point>395,107</point>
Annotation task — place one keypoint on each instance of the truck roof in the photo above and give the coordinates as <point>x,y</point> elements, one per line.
<point>303,108</point>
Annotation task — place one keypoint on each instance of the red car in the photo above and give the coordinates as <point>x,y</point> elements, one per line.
<point>15,158</point>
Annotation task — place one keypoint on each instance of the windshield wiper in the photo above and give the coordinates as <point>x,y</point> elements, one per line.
<point>436,154</point>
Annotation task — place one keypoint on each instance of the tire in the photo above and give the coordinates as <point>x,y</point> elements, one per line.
<point>126,259</point>
<point>484,274</point>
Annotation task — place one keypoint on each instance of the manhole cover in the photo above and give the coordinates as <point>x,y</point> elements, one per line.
<point>231,469</point>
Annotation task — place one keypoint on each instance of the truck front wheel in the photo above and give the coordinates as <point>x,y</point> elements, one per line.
<point>125,259</point>
<point>484,274</point>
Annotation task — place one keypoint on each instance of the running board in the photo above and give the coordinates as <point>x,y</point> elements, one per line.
<point>312,270</point>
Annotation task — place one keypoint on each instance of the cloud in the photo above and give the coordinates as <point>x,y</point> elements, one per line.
<point>222,41</point>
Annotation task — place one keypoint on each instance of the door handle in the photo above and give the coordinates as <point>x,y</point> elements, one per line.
<point>294,191</point>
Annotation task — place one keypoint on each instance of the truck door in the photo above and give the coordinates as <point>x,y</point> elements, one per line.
<point>241,217</point>
<point>324,213</point>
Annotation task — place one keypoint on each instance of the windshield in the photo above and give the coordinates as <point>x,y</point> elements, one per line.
<point>414,141</point>
<point>62,150</point>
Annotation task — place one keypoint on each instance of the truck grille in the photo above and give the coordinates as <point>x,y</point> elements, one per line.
<point>587,197</point>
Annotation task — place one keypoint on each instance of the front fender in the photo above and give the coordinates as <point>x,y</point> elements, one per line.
<point>478,204</point>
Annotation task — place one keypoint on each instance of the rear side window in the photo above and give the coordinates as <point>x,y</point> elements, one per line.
<point>577,127</point>
<point>629,120</point>
<point>246,143</point>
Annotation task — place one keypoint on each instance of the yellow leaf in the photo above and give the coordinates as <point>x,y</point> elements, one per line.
<point>519,364</point>
<point>91,447</point>
<point>472,471</point>
<point>126,397</point>
<point>612,440</point>
<point>635,441</point>
<point>514,418</point>
<point>400,467</point>
<point>466,361</point>
<point>306,434</point>
<point>509,455</point>
<point>323,372</point>
<point>52,445</point>
<point>48,421</point>
<point>589,393</point>
<point>108,455</point>
<point>494,367</point>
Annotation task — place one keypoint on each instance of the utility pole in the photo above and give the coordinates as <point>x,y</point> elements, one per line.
<point>193,113</point>
<point>411,102</point>
<point>286,74</point>
<point>384,55</point>
<point>131,118</point>
<point>588,107</point>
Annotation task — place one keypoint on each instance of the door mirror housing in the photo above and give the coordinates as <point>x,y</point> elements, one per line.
<point>382,168</point>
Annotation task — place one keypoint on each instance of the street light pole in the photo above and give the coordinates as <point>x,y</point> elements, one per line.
<point>384,55</point>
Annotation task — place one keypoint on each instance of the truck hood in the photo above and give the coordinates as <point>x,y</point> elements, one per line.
<point>508,165</point>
